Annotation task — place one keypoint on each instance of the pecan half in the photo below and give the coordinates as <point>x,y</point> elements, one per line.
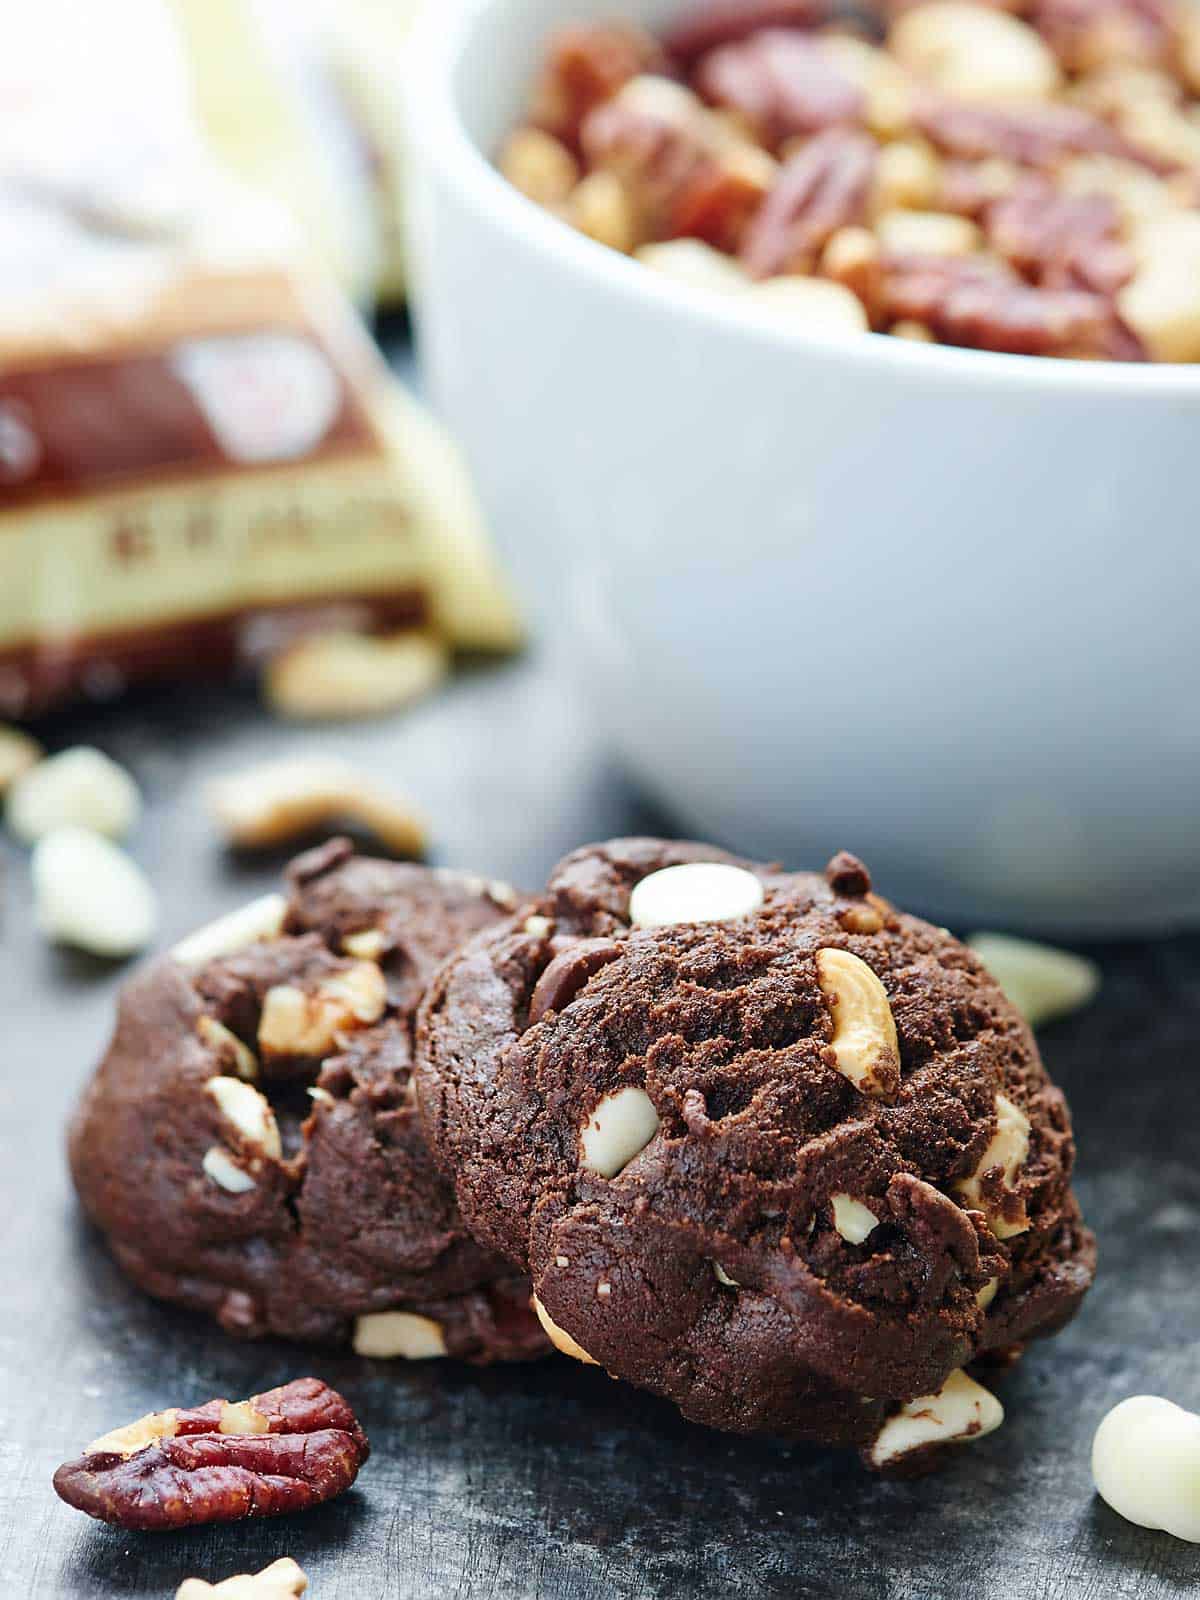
<point>285,1450</point>
<point>783,85</point>
<point>1032,135</point>
<point>657,138</point>
<point>1086,34</point>
<point>587,64</point>
<point>713,23</point>
<point>821,189</point>
<point>1060,240</point>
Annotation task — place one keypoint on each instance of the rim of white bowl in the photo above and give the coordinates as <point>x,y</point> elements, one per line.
<point>438,40</point>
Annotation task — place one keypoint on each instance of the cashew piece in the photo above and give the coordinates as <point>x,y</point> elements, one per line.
<point>865,1046</point>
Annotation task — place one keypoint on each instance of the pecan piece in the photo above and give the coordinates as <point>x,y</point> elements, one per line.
<point>714,23</point>
<point>1086,34</point>
<point>719,202</point>
<point>285,1450</point>
<point>824,187</point>
<point>657,138</point>
<point>585,65</point>
<point>1038,136</point>
<point>1060,240</point>
<point>783,85</point>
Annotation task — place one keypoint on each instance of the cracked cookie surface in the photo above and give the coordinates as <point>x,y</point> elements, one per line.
<point>791,1169</point>
<point>250,1144</point>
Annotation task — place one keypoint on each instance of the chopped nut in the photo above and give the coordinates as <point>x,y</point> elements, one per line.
<point>1007,1151</point>
<point>388,1335</point>
<point>261,919</point>
<point>538,927</point>
<point>696,891</point>
<point>601,208</point>
<point>224,1171</point>
<point>823,187</point>
<point>693,262</point>
<point>864,1044</point>
<point>723,1277</point>
<point>928,233</point>
<point>337,676</point>
<point>907,177</point>
<point>294,1023</point>
<point>865,918</point>
<point>282,1580</point>
<point>603,1289</point>
<point>919,334</point>
<point>81,788</point>
<point>88,893</point>
<point>135,1436</point>
<point>961,1410</point>
<point>268,805</point>
<point>560,1340</point>
<point>540,166</point>
<point>987,1294</point>
<point>621,1126</point>
<point>853,1220</point>
<point>587,63</point>
<point>249,1112</point>
<point>815,305</point>
<point>1162,302</point>
<point>782,84</point>
<point>369,945</point>
<point>975,52</point>
<point>887,88</point>
<point>239,1055</point>
<point>1043,983</point>
<point>1146,1465</point>
<point>18,752</point>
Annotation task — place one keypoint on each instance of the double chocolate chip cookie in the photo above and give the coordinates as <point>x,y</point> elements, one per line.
<point>250,1143</point>
<point>766,1146</point>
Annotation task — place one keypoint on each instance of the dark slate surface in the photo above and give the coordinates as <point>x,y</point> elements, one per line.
<point>553,1481</point>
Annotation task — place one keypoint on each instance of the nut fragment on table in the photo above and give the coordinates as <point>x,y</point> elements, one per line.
<point>1146,1465</point>
<point>960,1411</point>
<point>185,1468</point>
<point>399,1335</point>
<point>268,805</point>
<point>282,1580</point>
<point>80,788</point>
<point>18,752</point>
<point>335,676</point>
<point>1042,982</point>
<point>88,893</point>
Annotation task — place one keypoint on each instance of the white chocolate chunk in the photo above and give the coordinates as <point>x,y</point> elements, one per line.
<point>621,1125</point>
<point>88,893</point>
<point>81,788</point>
<point>261,919</point>
<point>403,1335</point>
<point>1009,1150</point>
<point>865,1047</point>
<point>559,1339</point>
<point>1043,983</point>
<point>853,1220</point>
<point>961,1410</point>
<point>696,891</point>
<point>248,1111</point>
<point>1146,1465</point>
<point>224,1171</point>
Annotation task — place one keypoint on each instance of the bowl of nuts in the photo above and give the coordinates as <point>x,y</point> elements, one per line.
<point>841,371</point>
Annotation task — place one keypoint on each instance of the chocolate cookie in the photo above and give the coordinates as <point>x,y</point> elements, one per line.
<point>766,1146</point>
<point>249,1143</point>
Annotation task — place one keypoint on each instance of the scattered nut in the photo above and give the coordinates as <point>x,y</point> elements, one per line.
<point>249,1112</point>
<point>918,333</point>
<point>1006,1154</point>
<point>696,891</point>
<point>540,166</point>
<point>336,676</point>
<point>815,305</point>
<point>179,1469</point>
<point>261,919</point>
<point>853,1220</point>
<point>928,233</point>
<point>865,1047</point>
<point>538,927</point>
<point>907,177</point>
<point>1043,983</point>
<point>224,1171</point>
<point>388,1335</point>
<point>232,1049</point>
<point>692,262</point>
<point>18,752</point>
<point>282,1580</point>
<point>961,1410</point>
<point>620,1126</point>
<point>369,945</point>
<point>1146,1465</point>
<point>80,788</point>
<point>268,805</point>
<point>294,1023</point>
<point>88,893</point>
<point>1162,302</point>
<point>560,1340</point>
<point>975,52</point>
<point>600,207</point>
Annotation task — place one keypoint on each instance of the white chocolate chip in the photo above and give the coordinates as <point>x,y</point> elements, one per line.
<point>1146,1465</point>
<point>87,892</point>
<point>218,1037</point>
<point>249,1112</point>
<point>696,891</point>
<point>81,788</point>
<point>559,1339</point>
<point>403,1335</point>
<point>621,1125</point>
<point>853,1220</point>
<point>272,803</point>
<point>538,927</point>
<point>864,1044</point>
<point>261,919</point>
<point>1008,1150</point>
<point>961,1410</point>
<point>282,1580</point>
<point>336,676</point>
<point>723,1277</point>
<point>18,752</point>
<point>224,1171</point>
<point>1042,982</point>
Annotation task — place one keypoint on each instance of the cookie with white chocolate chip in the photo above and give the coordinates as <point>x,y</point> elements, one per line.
<point>766,1146</point>
<point>250,1145</point>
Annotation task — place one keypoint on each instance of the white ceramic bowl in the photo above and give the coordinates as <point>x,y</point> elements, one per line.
<point>936,606</point>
